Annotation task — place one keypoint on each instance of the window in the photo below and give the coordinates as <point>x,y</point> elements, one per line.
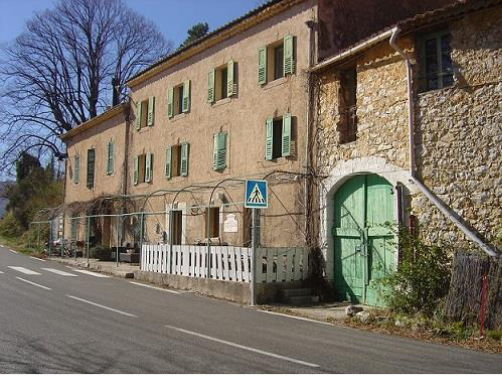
<point>143,168</point>
<point>214,223</point>
<point>222,82</point>
<point>276,60</point>
<point>436,70</point>
<point>347,124</point>
<point>91,159</point>
<point>109,159</point>
<point>219,151</point>
<point>178,99</point>
<point>76,171</point>
<point>176,161</point>
<point>145,113</point>
<point>278,138</point>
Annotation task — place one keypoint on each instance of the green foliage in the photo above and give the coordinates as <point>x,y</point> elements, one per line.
<point>35,189</point>
<point>9,226</point>
<point>197,31</point>
<point>495,334</point>
<point>421,280</point>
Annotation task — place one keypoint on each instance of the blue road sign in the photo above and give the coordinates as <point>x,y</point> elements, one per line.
<point>256,194</point>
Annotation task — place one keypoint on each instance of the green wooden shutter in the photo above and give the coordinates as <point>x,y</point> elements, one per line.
<point>148,168</point>
<point>138,115</point>
<point>109,159</point>
<point>184,160</point>
<point>91,158</point>
<point>210,86</point>
<point>186,96</point>
<point>136,170</point>
<point>219,151</point>
<point>269,139</point>
<point>289,62</point>
<point>151,111</point>
<point>170,102</point>
<point>167,168</point>
<point>286,135</point>
<point>231,82</point>
<point>262,65</point>
<point>76,175</point>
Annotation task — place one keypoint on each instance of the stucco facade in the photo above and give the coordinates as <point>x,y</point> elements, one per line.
<point>457,133</point>
<point>242,116</point>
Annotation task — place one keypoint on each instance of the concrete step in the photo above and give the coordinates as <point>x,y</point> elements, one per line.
<point>288,293</point>
<point>302,300</point>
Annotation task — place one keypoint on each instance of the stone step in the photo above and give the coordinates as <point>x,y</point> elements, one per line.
<point>287,293</point>
<point>302,300</point>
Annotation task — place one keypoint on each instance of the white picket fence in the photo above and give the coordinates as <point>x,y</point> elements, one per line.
<point>227,263</point>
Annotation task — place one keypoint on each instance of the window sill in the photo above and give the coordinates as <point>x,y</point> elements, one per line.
<point>221,102</point>
<point>143,129</point>
<point>432,91</point>
<point>275,83</point>
<point>179,116</point>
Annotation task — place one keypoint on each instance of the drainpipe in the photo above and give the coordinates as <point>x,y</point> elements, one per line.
<point>411,132</point>
<point>311,24</point>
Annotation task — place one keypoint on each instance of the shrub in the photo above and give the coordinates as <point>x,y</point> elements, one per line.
<point>421,279</point>
<point>10,227</point>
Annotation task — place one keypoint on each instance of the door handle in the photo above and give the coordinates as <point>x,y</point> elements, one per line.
<point>357,249</point>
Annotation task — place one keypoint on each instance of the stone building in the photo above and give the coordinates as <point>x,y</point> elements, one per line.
<point>418,147</point>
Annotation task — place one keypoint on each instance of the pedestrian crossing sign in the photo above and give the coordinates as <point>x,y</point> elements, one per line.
<point>256,194</point>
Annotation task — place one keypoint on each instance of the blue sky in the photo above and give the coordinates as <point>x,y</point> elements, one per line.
<point>173,17</point>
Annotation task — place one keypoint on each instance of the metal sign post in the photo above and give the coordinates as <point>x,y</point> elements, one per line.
<point>256,197</point>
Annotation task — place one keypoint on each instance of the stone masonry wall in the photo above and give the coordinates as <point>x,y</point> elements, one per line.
<point>458,129</point>
<point>459,135</point>
<point>381,112</point>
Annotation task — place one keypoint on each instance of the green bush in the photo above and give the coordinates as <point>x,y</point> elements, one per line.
<point>422,277</point>
<point>10,227</point>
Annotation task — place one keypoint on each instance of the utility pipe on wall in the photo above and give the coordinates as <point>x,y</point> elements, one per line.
<point>411,132</point>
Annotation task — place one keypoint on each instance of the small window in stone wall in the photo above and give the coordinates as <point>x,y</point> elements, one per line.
<point>436,68</point>
<point>347,123</point>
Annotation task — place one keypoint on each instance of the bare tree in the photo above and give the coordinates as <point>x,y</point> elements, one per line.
<point>58,73</point>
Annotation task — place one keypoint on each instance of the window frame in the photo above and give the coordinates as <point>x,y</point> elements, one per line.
<point>347,107</point>
<point>440,75</point>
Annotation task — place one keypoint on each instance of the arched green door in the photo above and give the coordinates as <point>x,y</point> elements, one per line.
<point>364,242</point>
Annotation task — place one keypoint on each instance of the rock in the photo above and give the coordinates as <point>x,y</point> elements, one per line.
<point>351,310</point>
<point>400,323</point>
<point>363,316</point>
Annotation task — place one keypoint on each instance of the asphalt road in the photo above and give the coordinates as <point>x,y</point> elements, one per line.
<point>63,320</point>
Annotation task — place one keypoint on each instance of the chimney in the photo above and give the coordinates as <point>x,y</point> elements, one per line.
<point>115,89</point>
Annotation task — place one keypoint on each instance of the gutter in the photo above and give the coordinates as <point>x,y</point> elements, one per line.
<point>358,48</point>
<point>411,131</point>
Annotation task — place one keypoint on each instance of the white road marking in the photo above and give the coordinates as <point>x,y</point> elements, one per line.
<point>12,251</point>
<point>251,349</point>
<point>1,272</point>
<point>34,284</point>
<point>295,317</point>
<point>90,273</point>
<point>60,272</point>
<point>36,258</point>
<point>101,306</point>
<point>24,270</point>
<point>155,288</point>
